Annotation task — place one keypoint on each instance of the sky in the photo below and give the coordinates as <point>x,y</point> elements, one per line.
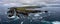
<point>18,3</point>
<point>21,2</point>
<point>24,2</point>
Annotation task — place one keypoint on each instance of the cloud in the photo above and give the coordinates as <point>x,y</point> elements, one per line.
<point>53,1</point>
<point>24,1</point>
<point>27,2</point>
<point>11,4</point>
<point>1,2</point>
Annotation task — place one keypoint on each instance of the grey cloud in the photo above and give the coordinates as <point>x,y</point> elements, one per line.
<point>24,1</point>
<point>28,2</point>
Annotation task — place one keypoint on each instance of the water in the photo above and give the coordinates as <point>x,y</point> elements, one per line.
<point>47,19</point>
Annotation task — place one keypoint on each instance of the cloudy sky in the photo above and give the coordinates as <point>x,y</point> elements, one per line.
<point>21,2</point>
<point>30,2</point>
